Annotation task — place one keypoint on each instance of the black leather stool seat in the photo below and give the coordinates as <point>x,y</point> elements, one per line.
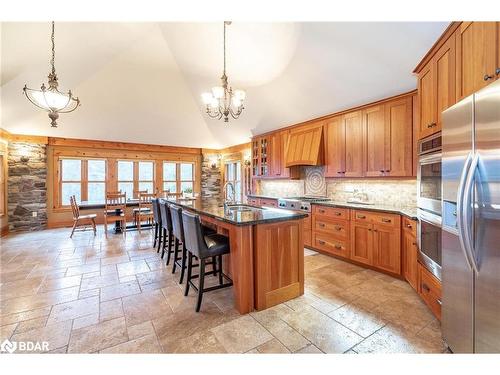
<point>217,244</point>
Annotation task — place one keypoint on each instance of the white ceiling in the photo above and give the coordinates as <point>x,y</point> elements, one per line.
<point>141,82</point>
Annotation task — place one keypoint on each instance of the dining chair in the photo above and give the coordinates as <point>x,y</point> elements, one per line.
<point>168,194</point>
<point>114,211</point>
<point>145,211</point>
<point>135,195</point>
<point>80,220</point>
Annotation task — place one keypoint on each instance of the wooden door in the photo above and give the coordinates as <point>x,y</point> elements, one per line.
<point>410,264</point>
<point>427,100</point>
<point>335,147</point>
<point>275,147</point>
<point>376,135</point>
<point>398,138</point>
<point>444,65</point>
<point>387,248</point>
<point>354,145</point>
<point>476,56</point>
<point>361,242</point>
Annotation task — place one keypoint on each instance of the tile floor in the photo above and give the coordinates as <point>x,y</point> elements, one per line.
<point>114,295</point>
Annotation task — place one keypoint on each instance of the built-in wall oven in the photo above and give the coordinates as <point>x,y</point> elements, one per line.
<point>429,174</point>
<point>429,241</point>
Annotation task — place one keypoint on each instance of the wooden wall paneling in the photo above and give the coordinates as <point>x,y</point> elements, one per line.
<point>376,136</point>
<point>354,145</point>
<point>399,140</point>
<point>335,147</point>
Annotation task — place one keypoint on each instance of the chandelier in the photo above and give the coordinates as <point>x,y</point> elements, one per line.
<point>51,99</point>
<point>223,100</point>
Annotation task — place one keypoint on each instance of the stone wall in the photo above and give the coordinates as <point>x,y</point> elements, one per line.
<point>27,186</point>
<point>211,179</point>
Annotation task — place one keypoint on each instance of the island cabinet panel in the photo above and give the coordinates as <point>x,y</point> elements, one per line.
<point>354,145</point>
<point>476,45</point>
<point>410,252</point>
<point>335,147</point>
<point>387,248</point>
<point>398,141</point>
<point>362,242</point>
<point>376,140</point>
<point>279,263</point>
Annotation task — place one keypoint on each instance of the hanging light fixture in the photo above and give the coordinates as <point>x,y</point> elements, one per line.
<point>223,101</point>
<point>51,99</point>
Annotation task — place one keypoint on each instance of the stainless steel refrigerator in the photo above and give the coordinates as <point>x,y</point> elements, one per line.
<point>471,223</point>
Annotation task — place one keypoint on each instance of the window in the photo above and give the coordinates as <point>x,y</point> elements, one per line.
<point>135,175</point>
<point>178,177</point>
<point>233,175</point>
<point>83,178</point>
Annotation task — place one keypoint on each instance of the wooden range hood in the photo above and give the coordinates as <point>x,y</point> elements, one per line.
<point>305,146</point>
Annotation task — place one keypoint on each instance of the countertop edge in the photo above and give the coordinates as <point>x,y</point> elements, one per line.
<point>395,210</point>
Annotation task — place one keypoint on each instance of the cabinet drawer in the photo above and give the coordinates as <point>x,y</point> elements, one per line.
<point>429,289</point>
<point>268,202</point>
<point>335,228</point>
<point>330,244</point>
<point>376,218</point>
<point>409,225</point>
<point>333,212</point>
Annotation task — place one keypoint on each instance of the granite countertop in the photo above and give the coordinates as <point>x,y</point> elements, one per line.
<point>406,211</point>
<point>257,215</point>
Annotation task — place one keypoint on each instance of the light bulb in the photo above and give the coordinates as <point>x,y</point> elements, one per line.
<point>236,102</point>
<point>218,92</point>
<point>240,94</point>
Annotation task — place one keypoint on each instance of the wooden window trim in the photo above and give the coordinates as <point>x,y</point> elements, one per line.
<point>234,164</point>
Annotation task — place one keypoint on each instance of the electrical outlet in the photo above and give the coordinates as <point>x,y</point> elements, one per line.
<point>34,213</point>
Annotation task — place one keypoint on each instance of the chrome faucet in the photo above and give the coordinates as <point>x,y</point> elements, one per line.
<point>228,201</point>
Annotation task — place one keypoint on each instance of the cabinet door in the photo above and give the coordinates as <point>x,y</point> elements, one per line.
<point>426,100</point>
<point>376,135</point>
<point>275,154</point>
<point>354,145</point>
<point>255,156</point>
<point>361,242</point>
<point>335,147</point>
<point>444,65</point>
<point>476,56</point>
<point>264,156</point>
<point>398,141</point>
<point>387,248</point>
<point>410,264</point>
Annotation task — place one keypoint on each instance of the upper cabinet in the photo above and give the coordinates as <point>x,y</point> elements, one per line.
<point>465,59</point>
<point>335,147</point>
<point>477,53</point>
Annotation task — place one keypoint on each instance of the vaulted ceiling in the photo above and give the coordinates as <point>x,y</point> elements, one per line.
<point>141,82</point>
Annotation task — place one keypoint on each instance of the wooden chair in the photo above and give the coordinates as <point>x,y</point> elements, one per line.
<point>80,220</point>
<point>145,210</point>
<point>135,195</point>
<point>115,211</point>
<point>167,194</point>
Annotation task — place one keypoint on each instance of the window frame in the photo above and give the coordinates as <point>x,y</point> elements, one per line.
<point>84,181</point>
<point>178,178</point>
<point>135,174</point>
<point>235,164</point>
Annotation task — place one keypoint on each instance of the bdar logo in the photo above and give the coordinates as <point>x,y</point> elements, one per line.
<point>8,346</point>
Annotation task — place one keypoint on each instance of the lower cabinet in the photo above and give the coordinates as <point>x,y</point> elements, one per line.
<point>387,248</point>
<point>429,289</point>
<point>308,231</point>
<point>362,243</point>
<point>268,202</point>
<point>410,252</point>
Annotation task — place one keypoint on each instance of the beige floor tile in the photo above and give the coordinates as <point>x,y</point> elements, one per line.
<point>132,268</point>
<point>98,337</point>
<point>273,346</point>
<point>140,330</point>
<point>37,301</point>
<point>241,335</point>
<point>26,315</point>
<point>99,281</point>
<point>119,290</point>
<point>74,309</point>
<point>110,310</point>
<point>60,283</point>
<point>145,306</point>
<point>200,342</point>
<point>357,318</point>
<point>84,269</point>
<point>309,349</point>
<point>56,335</point>
<point>145,344</point>
<point>20,288</point>
<point>28,325</point>
<point>85,321</point>
<point>7,331</point>
<point>322,331</point>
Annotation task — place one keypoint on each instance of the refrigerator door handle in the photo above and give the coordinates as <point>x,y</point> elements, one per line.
<point>467,212</point>
<point>460,216</point>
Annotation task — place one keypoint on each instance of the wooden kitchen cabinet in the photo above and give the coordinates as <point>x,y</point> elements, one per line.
<point>275,156</point>
<point>260,156</point>
<point>410,252</point>
<point>305,145</point>
<point>387,248</point>
<point>377,135</point>
<point>335,147</point>
<point>477,52</point>
<point>354,145</point>
<point>429,289</point>
<point>362,242</point>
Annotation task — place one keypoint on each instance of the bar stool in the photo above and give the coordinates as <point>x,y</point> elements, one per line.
<point>166,227</point>
<point>178,232</point>
<point>203,247</point>
<point>156,222</point>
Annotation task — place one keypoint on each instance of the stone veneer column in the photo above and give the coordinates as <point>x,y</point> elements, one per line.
<point>211,179</point>
<point>27,186</point>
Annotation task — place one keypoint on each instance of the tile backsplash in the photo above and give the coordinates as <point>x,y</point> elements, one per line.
<point>391,192</point>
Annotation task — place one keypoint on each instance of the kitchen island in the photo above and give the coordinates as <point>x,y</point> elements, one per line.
<point>266,260</point>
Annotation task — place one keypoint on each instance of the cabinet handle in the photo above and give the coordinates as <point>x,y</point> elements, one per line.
<point>338,247</point>
<point>361,217</point>
<point>386,220</point>
<point>369,230</point>
<point>338,227</point>
<point>497,72</point>
<point>338,213</point>
<point>487,77</point>
<point>321,225</point>
<point>425,287</point>
<point>439,302</point>
<point>339,172</point>
<point>408,226</point>
<point>431,125</point>
<point>375,230</point>
<point>322,211</point>
<point>414,243</point>
<point>387,170</point>
<point>382,171</point>
<point>321,242</point>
